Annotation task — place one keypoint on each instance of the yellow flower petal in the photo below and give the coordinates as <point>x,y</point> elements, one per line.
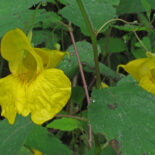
<point>36,152</point>
<point>15,47</point>
<point>148,84</point>
<point>13,44</point>
<point>50,58</point>
<point>48,94</point>
<point>147,67</point>
<point>32,87</point>
<point>12,98</point>
<point>133,67</point>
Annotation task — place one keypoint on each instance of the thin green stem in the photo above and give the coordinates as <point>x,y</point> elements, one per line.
<point>91,31</point>
<point>32,19</point>
<point>72,116</point>
<point>118,19</point>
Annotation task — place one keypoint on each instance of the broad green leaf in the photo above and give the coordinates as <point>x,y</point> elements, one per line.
<point>91,152</point>
<point>78,95</point>
<point>70,66</point>
<point>45,142</point>
<point>147,8</point>
<point>139,53</point>
<point>108,72</point>
<point>65,124</point>
<point>45,36</point>
<point>114,45</point>
<point>99,13</point>
<point>112,2</point>
<point>16,13</point>
<point>54,1</point>
<point>25,151</point>
<point>12,137</point>
<point>146,41</point>
<point>108,151</point>
<point>128,6</point>
<point>125,113</point>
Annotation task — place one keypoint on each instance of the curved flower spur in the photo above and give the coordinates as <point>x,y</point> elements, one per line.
<point>143,70</point>
<point>34,86</point>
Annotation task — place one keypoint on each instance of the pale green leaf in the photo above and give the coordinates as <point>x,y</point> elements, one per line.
<point>45,142</point>
<point>65,124</point>
<point>133,6</point>
<point>125,113</point>
<point>113,45</point>
<point>99,13</point>
<point>12,137</point>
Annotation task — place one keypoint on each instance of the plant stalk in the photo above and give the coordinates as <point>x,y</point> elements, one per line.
<point>92,34</point>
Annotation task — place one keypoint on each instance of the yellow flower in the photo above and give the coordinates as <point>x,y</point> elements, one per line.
<point>36,152</point>
<point>34,86</point>
<point>143,70</point>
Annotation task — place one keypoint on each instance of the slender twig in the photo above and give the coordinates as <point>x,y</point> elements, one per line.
<point>92,34</point>
<point>82,77</point>
<point>84,82</point>
<point>72,116</point>
<point>80,65</point>
<point>118,19</point>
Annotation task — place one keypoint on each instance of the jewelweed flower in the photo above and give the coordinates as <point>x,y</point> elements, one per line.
<point>36,152</point>
<point>143,70</point>
<point>34,86</point>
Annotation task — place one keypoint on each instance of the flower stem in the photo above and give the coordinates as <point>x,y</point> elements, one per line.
<point>92,34</point>
<point>118,19</point>
<point>72,116</point>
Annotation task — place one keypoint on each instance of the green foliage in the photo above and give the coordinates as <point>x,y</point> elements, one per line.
<point>25,151</point>
<point>70,65</point>
<point>98,13</point>
<point>127,6</point>
<point>114,45</point>
<point>13,137</point>
<point>122,115</point>
<point>21,16</point>
<point>112,2</point>
<point>146,42</point>
<point>65,124</point>
<point>125,113</point>
<point>78,95</point>
<point>45,142</point>
<point>139,53</point>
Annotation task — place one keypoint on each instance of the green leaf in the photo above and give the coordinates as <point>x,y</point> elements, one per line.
<point>115,45</point>
<point>15,13</point>
<point>147,8</point>
<point>25,151</point>
<point>61,1</point>
<point>139,53</point>
<point>108,151</point>
<point>109,73</point>
<point>70,66</point>
<point>99,13</point>
<point>146,41</point>
<point>65,124</point>
<point>128,6</point>
<point>128,28</point>
<point>12,137</point>
<point>45,36</point>
<point>45,142</point>
<point>45,19</point>
<point>125,113</point>
<point>78,95</point>
<point>111,2</point>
